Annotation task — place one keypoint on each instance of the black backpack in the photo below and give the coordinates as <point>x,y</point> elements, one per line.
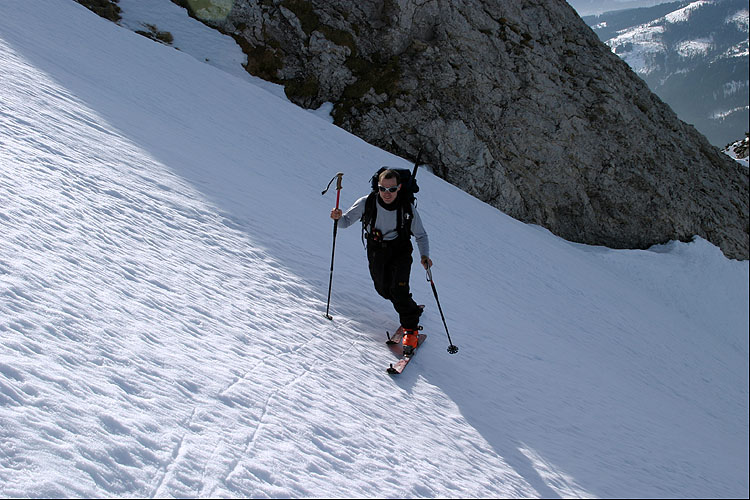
<point>405,200</point>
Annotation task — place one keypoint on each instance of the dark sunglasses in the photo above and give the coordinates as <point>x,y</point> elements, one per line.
<point>390,189</point>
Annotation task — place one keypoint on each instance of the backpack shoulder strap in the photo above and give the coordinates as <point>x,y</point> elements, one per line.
<point>369,215</point>
<point>406,215</point>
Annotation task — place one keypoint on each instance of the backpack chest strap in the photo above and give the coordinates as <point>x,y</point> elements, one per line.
<point>403,218</point>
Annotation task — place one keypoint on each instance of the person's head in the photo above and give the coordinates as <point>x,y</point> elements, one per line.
<point>389,184</point>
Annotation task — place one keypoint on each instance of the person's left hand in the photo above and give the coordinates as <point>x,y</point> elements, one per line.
<point>426,262</point>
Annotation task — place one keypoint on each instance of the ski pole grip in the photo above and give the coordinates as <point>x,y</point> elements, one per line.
<point>338,188</point>
<point>338,183</point>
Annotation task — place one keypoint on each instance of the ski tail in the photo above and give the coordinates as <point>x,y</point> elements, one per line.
<point>398,367</point>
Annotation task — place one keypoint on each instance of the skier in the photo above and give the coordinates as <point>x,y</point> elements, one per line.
<point>389,248</point>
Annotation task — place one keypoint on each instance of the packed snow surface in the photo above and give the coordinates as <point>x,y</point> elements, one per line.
<point>164,263</point>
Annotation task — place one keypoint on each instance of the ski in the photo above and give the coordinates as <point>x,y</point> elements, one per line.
<point>398,367</point>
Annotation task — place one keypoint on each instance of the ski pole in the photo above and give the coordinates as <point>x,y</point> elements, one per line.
<point>416,166</point>
<point>452,349</point>
<point>335,229</point>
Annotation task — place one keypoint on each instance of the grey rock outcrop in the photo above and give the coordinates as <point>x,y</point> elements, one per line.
<point>516,102</point>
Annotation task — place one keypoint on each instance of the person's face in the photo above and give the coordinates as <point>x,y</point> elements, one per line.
<point>384,187</point>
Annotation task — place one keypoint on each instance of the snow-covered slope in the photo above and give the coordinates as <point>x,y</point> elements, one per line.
<point>164,262</point>
<point>693,54</point>
<point>739,150</point>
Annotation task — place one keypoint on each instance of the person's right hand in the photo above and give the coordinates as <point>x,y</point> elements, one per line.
<point>336,214</point>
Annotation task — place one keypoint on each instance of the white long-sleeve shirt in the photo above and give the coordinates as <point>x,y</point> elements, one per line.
<point>387,222</point>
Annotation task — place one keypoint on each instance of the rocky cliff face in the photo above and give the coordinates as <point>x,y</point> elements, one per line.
<point>515,102</point>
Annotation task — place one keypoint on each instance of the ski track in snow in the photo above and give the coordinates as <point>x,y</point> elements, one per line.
<point>164,255</point>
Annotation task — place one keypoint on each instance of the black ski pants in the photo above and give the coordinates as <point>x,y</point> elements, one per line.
<point>390,267</point>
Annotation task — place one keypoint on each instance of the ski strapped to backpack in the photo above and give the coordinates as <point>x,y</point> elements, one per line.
<point>408,181</point>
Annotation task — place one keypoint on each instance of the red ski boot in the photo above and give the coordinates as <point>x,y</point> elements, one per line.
<point>409,341</point>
